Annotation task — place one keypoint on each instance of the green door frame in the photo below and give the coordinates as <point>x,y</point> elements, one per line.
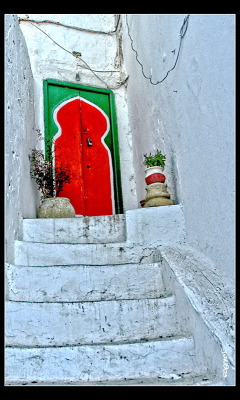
<point>114,130</point>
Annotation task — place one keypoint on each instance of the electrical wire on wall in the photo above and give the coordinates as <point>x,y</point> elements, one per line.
<point>71,27</point>
<point>182,33</point>
<point>77,54</point>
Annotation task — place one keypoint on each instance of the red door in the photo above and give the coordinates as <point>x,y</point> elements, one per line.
<point>79,145</point>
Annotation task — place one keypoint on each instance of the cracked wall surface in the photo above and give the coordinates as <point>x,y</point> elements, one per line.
<point>20,193</point>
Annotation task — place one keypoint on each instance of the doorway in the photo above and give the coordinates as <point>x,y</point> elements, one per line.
<point>80,125</point>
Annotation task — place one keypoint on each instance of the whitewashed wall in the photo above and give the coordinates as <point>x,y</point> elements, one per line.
<point>100,51</point>
<point>20,136</point>
<point>190,117</point>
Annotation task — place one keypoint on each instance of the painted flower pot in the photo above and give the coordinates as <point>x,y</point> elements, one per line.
<point>56,207</point>
<point>154,175</point>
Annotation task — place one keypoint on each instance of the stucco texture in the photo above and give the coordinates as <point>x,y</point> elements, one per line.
<point>20,191</point>
<point>50,45</point>
<point>190,117</point>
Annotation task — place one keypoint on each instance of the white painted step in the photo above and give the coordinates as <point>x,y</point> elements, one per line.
<point>47,254</point>
<point>62,324</point>
<point>100,229</point>
<point>84,282</point>
<point>159,358</point>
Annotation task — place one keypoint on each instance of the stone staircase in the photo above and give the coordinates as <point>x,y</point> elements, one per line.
<point>85,305</point>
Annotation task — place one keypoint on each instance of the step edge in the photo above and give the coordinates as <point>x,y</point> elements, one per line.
<point>28,253</point>
<point>184,379</point>
<point>75,315</point>
<point>88,230</point>
<point>131,264</point>
<point>165,339</point>
<point>164,297</point>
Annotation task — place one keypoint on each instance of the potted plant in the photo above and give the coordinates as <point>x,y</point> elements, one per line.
<point>50,182</point>
<point>157,194</point>
<point>155,164</point>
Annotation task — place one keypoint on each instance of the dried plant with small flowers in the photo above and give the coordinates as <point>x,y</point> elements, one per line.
<point>49,180</point>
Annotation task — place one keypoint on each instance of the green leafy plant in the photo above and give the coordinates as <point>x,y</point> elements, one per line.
<point>153,160</point>
<point>49,181</point>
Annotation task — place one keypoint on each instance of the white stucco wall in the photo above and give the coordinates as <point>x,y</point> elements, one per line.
<point>20,136</point>
<point>100,51</point>
<point>190,117</point>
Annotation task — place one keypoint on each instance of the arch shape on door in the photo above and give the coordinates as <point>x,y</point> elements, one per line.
<point>81,123</point>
